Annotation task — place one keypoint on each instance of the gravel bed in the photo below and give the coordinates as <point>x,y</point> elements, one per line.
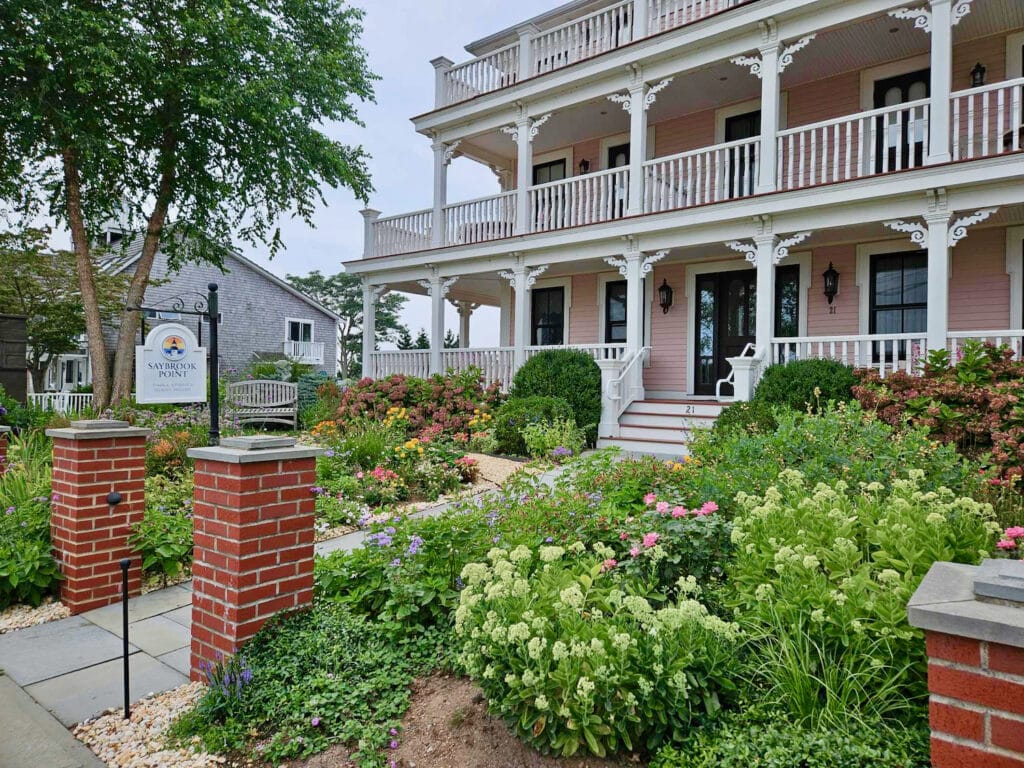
<point>333,533</point>
<point>139,741</point>
<point>22,616</point>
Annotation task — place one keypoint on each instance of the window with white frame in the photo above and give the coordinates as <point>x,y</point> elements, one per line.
<point>299,330</point>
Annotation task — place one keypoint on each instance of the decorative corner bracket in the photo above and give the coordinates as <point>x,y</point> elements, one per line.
<point>782,246</point>
<point>648,264</point>
<point>377,291</point>
<point>529,276</point>
<point>918,232</point>
<point>749,250</point>
<point>787,54</point>
<point>652,92</point>
<point>958,230</point>
<point>960,9</point>
<point>624,100</point>
<point>754,62</point>
<point>620,264</point>
<point>922,17</point>
<point>449,151</point>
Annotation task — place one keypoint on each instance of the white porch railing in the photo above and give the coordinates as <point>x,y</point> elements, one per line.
<point>885,353</point>
<point>410,362</point>
<point>66,403</point>
<point>669,14</point>
<point>587,199</point>
<point>582,38</point>
<point>495,363</point>
<point>596,351</point>
<point>878,141</point>
<point>1013,339</point>
<point>404,233</point>
<point>488,73</point>
<point>988,120</point>
<point>305,351</point>
<point>701,176</point>
<point>627,387</point>
<point>476,221</point>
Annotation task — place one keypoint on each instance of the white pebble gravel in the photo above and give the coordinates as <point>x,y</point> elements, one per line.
<point>22,616</point>
<point>139,742</point>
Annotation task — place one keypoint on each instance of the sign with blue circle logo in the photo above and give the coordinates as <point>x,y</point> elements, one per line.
<point>170,367</point>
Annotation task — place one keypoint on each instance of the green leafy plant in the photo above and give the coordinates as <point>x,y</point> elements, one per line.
<point>558,441</point>
<point>569,374</point>
<point>164,536</point>
<point>576,659</point>
<point>753,416</point>
<point>512,419</point>
<point>806,384</point>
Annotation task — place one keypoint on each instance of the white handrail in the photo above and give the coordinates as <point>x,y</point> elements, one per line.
<point>479,220</point>
<point>404,233</point>
<point>491,72</point>
<point>988,120</point>
<point>64,403</point>
<point>581,38</point>
<point>587,199</point>
<point>884,352</point>
<point>670,14</point>
<point>730,380</point>
<point>632,368</point>
<point>708,175</point>
<point>1014,339</point>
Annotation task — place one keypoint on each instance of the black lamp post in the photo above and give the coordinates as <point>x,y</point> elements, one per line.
<point>978,75</point>
<point>831,277</point>
<point>665,296</point>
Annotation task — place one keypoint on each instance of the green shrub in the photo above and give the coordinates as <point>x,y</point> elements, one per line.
<point>755,416</point>
<point>306,391</point>
<point>576,659</point>
<point>805,384</point>
<point>822,584</point>
<point>516,414</point>
<point>558,441</point>
<point>745,739</point>
<point>569,374</point>
<point>324,406</point>
<point>164,536</point>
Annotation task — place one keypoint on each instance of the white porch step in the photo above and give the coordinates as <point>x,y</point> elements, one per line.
<point>708,408</point>
<point>662,427</point>
<point>629,419</point>
<point>667,448</point>
<point>675,434</point>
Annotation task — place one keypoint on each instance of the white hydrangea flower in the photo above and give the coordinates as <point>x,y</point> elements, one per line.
<point>550,554</point>
<point>520,554</point>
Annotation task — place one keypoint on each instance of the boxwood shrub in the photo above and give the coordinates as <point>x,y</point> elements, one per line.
<point>519,412</point>
<point>568,374</point>
<point>795,385</point>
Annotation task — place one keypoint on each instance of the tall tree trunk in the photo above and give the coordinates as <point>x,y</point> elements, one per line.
<point>86,282</point>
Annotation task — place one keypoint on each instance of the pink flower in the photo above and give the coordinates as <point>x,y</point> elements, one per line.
<point>634,551</point>
<point>359,475</point>
<point>680,512</point>
<point>1007,544</point>
<point>650,539</point>
<point>1017,532</point>
<point>608,564</point>
<point>662,507</point>
<point>623,536</point>
<point>650,498</point>
<point>708,507</point>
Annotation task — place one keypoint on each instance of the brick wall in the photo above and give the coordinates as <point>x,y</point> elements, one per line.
<point>977,702</point>
<point>253,557</point>
<point>90,537</point>
<point>4,431</point>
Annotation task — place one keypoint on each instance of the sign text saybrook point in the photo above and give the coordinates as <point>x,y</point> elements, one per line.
<point>170,367</point>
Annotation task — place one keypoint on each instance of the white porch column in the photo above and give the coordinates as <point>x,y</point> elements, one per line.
<point>766,243</point>
<point>437,288</point>
<point>505,316</point>
<point>370,217</point>
<point>370,295</point>
<point>941,86</point>
<point>442,66</point>
<point>522,279</point>
<point>634,266</point>
<point>527,64</point>
<point>465,310</point>
<point>637,142</point>
<point>523,133</point>
<point>771,96</point>
<point>641,19</point>
<point>437,235</point>
<point>938,278</point>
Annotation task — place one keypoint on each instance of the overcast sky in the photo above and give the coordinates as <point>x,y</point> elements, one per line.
<point>401,37</point>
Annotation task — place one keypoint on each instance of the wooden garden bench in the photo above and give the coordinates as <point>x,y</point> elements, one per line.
<point>265,401</point>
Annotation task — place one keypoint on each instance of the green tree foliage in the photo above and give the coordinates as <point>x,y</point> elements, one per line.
<point>41,285</point>
<point>343,294</point>
<point>422,340</point>
<point>131,110</point>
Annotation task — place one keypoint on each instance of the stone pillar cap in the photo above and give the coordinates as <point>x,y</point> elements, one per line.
<point>252,448</point>
<point>96,429</point>
<point>1001,580</point>
<point>4,428</point>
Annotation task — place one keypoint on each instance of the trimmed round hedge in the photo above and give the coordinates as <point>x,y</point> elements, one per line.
<point>757,416</point>
<point>512,417</point>
<point>794,384</point>
<point>569,374</point>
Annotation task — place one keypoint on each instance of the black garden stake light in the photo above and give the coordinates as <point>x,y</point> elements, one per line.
<point>831,277</point>
<point>665,296</point>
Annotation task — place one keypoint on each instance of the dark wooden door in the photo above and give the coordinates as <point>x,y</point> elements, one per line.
<point>725,324</point>
<point>900,136</point>
<point>742,169</point>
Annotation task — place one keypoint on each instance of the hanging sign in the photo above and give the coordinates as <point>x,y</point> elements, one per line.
<point>170,367</point>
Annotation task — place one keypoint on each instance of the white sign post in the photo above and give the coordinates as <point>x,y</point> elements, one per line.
<point>170,367</point>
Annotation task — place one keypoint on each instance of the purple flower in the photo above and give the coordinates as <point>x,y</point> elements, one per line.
<point>496,539</point>
<point>548,540</point>
<point>414,545</point>
<point>395,563</point>
<point>562,451</point>
<point>10,511</point>
<point>393,744</point>
<point>314,721</point>
<point>329,453</point>
<point>393,731</point>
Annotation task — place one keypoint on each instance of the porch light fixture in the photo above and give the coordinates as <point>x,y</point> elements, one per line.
<point>665,296</point>
<point>584,166</point>
<point>831,282</point>
<point>978,75</point>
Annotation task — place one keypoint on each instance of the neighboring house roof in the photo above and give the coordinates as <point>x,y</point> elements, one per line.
<point>131,252</point>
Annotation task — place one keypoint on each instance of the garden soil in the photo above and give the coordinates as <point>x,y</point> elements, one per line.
<point>447,726</point>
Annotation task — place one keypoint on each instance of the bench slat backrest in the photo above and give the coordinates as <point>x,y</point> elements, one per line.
<point>263,393</point>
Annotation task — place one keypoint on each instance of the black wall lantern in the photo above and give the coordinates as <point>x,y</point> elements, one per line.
<point>831,282</point>
<point>978,75</point>
<point>665,296</point>
<point>584,166</point>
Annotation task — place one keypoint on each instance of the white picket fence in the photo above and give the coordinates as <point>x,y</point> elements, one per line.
<point>66,403</point>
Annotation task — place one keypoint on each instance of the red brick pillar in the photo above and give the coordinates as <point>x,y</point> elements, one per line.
<point>974,624</point>
<point>253,557</point>
<point>92,459</point>
<point>4,431</point>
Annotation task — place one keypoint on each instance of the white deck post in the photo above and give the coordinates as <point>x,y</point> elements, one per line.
<point>505,316</point>
<point>465,310</point>
<point>526,59</point>
<point>442,66</point>
<point>938,278</point>
<point>524,172</point>
<point>771,96</point>
<point>941,83</point>
<point>441,160</point>
<point>766,243</point>
<point>641,19</point>
<point>369,328</point>
<point>437,288</point>
<point>370,217</point>
<point>522,316</point>
<point>637,142</point>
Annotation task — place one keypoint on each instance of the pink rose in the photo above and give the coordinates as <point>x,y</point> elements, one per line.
<point>1007,544</point>
<point>1017,532</point>
<point>650,539</point>
<point>634,552</point>
<point>650,498</point>
<point>662,507</point>
<point>708,507</point>
<point>680,512</point>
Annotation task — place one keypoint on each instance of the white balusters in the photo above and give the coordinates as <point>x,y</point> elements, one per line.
<point>581,200</point>
<point>669,14</point>
<point>885,353</point>
<point>879,141</point>
<point>492,72</point>
<point>476,221</point>
<point>405,233</point>
<point>702,176</point>
<point>1014,339</point>
<point>582,38</point>
<point>988,120</point>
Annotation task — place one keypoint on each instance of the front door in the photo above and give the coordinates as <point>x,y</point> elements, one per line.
<point>726,320</point>
<point>900,134</point>
<point>741,170</point>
